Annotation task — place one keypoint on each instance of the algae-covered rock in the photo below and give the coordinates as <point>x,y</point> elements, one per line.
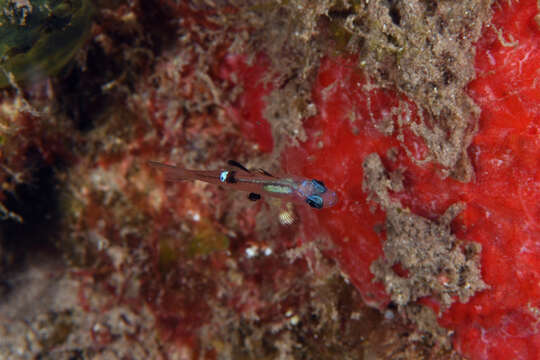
<point>38,37</point>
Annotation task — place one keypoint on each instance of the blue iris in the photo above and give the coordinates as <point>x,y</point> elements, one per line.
<point>315,201</point>
<point>319,186</point>
<point>223,176</point>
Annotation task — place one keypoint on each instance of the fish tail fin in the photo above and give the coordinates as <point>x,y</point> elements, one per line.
<point>172,173</point>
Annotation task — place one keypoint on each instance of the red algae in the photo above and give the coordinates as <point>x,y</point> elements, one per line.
<point>246,109</point>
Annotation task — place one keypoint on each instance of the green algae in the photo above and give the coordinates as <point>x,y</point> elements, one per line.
<point>39,37</point>
<point>206,241</point>
<point>168,255</point>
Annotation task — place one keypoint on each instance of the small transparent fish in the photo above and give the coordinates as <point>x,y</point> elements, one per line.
<point>296,189</point>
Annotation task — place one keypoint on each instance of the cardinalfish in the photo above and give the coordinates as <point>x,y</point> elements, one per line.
<point>296,189</point>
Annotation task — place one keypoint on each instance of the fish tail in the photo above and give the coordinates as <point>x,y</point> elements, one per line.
<point>172,173</point>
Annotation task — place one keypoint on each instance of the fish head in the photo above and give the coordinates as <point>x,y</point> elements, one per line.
<point>317,195</point>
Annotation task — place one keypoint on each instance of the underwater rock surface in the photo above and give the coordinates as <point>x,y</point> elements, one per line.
<point>498,227</point>
<point>422,115</point>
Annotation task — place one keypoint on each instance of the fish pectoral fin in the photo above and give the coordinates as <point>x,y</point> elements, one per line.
<point>237,164</point>
<point>254,196</point>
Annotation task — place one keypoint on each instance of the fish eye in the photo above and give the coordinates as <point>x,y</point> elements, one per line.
<point>227,177</point>
<point>315,201</point>
<point>223,176</point>
<point>319,186</point>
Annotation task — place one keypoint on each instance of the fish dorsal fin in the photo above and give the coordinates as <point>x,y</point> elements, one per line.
<point>242,167</point>
<point>266,173</point>
<point>237,164</point>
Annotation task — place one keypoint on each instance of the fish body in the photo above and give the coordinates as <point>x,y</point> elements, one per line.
<point>296,189</point>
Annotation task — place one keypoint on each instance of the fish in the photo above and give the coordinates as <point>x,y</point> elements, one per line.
<point>296,189</point>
